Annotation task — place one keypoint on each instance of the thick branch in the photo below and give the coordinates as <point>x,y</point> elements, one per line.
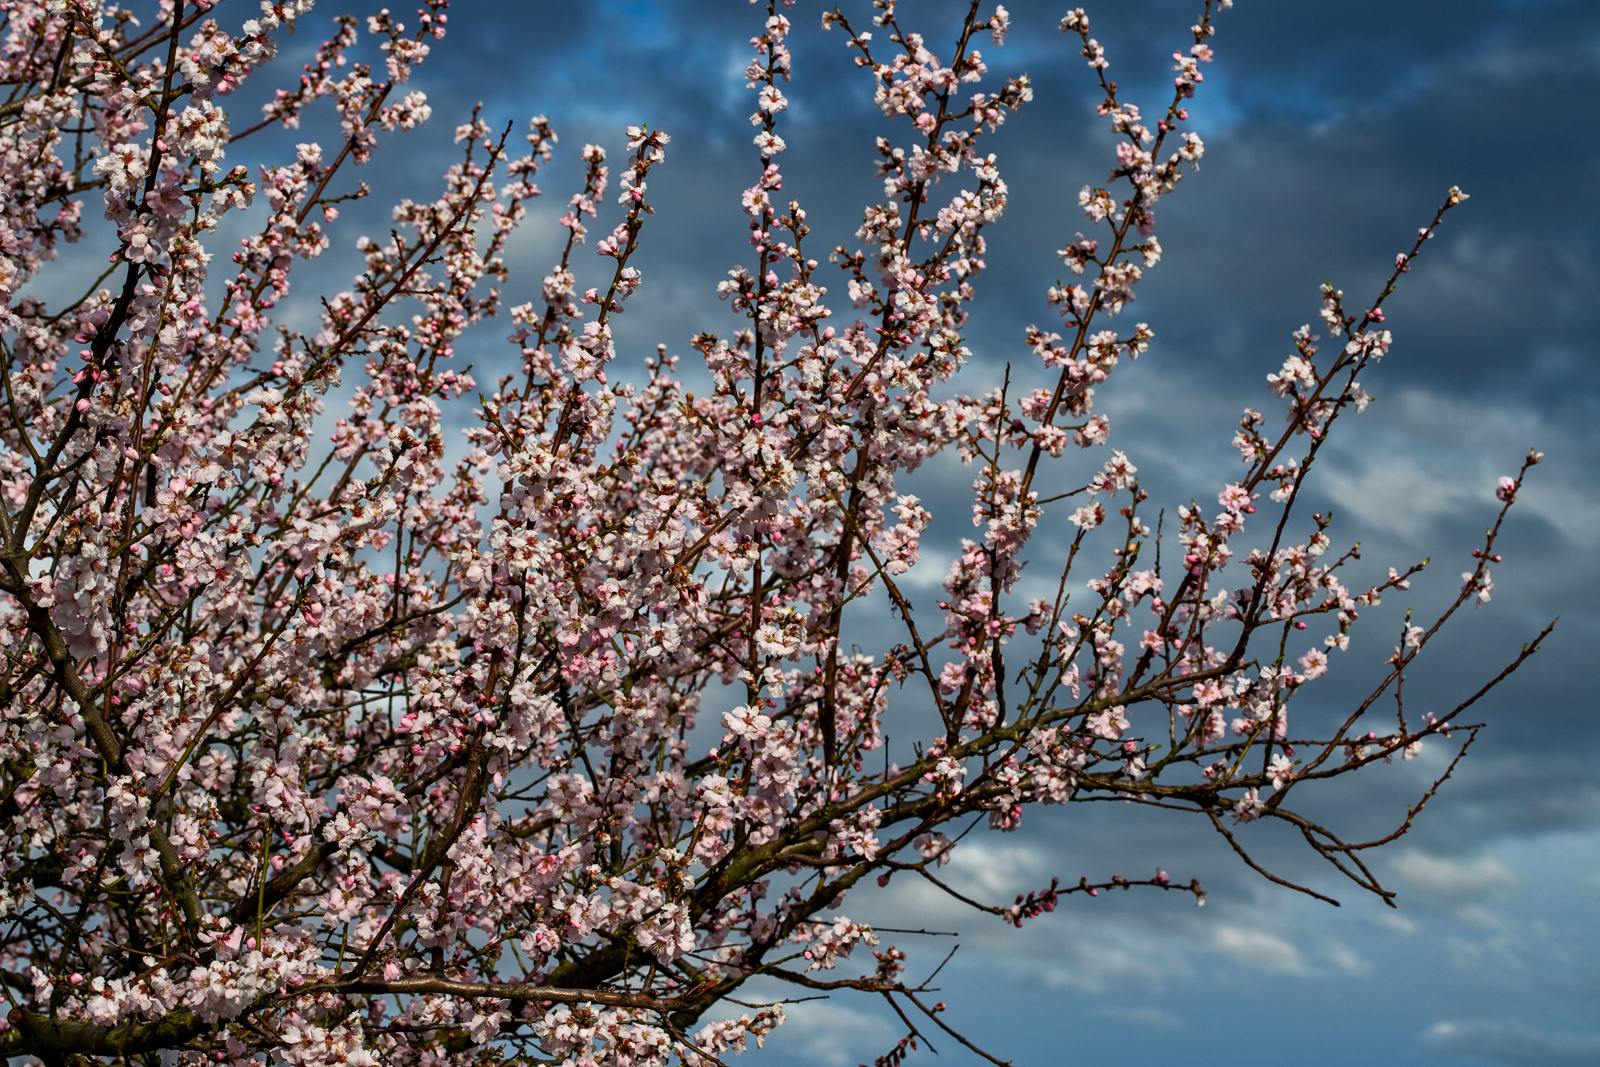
<point>53,1040</point>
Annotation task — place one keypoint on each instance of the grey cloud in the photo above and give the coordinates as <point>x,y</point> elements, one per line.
<point>1453,879</point>
<point>1512,1043</point>
<point>1145,1017</point>
<point>832,1033</point>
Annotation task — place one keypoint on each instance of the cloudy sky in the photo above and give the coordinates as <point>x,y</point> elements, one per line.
<point>1333,131</point>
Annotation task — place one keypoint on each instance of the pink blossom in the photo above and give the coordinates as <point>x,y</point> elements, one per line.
<point>746,722</point>
<point>1314,664</point>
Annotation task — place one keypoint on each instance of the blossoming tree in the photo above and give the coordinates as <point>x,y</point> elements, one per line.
<point>315,744</point>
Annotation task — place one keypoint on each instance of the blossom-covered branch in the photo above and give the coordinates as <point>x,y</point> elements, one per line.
<point>323,738</point>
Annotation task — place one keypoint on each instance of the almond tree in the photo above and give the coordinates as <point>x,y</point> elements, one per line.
<point>326,748</point>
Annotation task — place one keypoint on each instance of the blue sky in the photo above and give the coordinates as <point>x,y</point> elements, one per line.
<point>1333,131</point>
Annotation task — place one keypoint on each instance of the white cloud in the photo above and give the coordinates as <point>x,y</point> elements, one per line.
<point>1345,958</point>
<point>995,871</point>
<point>1503,953</point>
<point>1513,1044</point>
<point>1398,923</point>
<point>1429,457</point>
<point>1259,950</point>
<point>823,1032</point>
<point>1479,916</point>
<point>1573,512</point>
<point>1093,967</point>
<point>1149,1018</point>
<point>1395,494</point>
<point>1451,879</point>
